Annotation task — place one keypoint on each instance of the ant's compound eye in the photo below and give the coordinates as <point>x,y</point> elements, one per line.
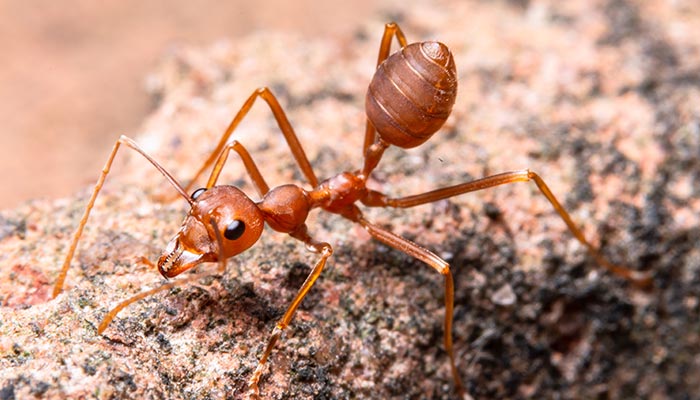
<point>197,193</point>
<point>234,230</point>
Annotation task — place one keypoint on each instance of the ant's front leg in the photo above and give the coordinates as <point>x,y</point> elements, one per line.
<point>257,178</point>
<point>126,141</point>
<point>326,251</point>
<point>248,162</point>
<point>376,199</point>
<point>125,303</point>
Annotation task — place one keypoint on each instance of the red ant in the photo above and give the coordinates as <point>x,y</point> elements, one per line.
<point>408,100</point>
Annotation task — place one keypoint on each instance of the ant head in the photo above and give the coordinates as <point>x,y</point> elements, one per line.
<point>222,222</point>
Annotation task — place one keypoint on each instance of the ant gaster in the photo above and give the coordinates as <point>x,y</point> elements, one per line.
<point>408,100</point>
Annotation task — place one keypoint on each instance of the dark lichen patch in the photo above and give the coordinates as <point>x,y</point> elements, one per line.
<point>7,392</point>
<point>624,22</point>
<point>11,227</point>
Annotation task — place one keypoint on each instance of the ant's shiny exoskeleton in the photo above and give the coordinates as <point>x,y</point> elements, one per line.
<point>408,100</point>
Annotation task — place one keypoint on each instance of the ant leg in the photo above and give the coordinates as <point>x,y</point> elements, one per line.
<point>123,140</point>
<point>319,247</point>
<point>390,29</point>
<point>282,122</point>
<point>376,199</point>
<point>250,166</point>
<point>113,312</point>
<point>437,263</point>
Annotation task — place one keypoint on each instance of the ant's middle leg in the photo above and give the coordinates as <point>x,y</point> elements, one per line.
<point>434,261</point>
<point>326,251</point>
<point>284,125</point>
<point>376,199</point>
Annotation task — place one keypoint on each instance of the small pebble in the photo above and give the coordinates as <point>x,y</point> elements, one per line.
<point>504,296</point>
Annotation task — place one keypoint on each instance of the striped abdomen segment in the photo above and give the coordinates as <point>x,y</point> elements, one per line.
<point>412,93</point>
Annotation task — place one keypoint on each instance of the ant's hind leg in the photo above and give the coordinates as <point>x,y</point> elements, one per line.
<point>390,30</point>
<point>376,199</point>
<point>123,140</point>
<point>438,264</point>
<point>326,251</point>
<point>284,125</point>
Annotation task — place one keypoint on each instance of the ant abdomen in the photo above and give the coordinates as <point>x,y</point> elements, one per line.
<point>412,93</point>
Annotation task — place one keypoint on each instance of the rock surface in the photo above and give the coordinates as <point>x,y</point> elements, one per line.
<point>600,98</point>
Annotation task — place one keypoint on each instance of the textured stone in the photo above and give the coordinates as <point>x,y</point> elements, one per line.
<point>600,98</point>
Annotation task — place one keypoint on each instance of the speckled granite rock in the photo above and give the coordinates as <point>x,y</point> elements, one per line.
<point>601,98</point>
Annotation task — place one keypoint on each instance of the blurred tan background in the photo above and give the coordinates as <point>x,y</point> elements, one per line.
<point>73,73</point>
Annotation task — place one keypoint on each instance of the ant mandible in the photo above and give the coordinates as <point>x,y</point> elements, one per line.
<point>408,100</point>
